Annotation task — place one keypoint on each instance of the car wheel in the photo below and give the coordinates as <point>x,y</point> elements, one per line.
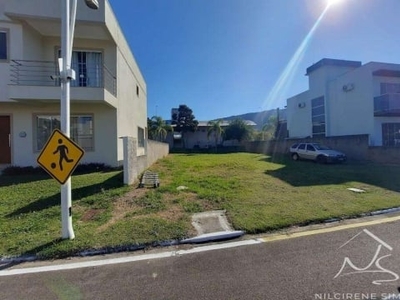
<point>321,159</point>
<point>295,156</point>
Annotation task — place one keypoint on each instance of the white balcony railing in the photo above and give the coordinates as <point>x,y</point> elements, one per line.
<point>387,105</point>
<point>39,73</point>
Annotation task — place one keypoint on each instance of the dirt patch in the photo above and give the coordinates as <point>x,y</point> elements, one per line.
<point>175,211</point>
<point>91,214</point>
<point>122,206</point>
<point>172,214</point>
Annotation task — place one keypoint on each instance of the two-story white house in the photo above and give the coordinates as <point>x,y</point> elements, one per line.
<point>348,98</point>
<point>108,96</point>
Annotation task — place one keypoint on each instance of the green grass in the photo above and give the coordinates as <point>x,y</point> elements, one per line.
<point>259,193</point>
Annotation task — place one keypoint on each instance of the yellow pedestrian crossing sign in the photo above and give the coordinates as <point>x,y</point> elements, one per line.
<point>60,156</point>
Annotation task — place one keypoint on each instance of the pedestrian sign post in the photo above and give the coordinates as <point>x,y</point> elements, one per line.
<point>60,156</point>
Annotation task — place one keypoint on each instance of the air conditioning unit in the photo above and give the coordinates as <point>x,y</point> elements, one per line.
<point>348,87</point>
<point>93,4</point>
<point>302,105</point>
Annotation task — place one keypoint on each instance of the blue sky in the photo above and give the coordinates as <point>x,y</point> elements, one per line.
<point>229,57</point>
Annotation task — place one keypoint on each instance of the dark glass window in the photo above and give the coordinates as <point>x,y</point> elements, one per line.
<point>310,148</point>
<point>319,129</point>
<point>318,116</point>
<point>320,110</point>
<point>391,134</point>
<point>318,102</point>
<point>140,137</point>
<point>3,45</point>
<point>318,119</point>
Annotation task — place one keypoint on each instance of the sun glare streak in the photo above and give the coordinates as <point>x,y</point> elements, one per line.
<point>281,85</point>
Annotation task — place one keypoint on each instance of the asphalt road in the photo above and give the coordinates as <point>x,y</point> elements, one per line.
<point>307,267</point>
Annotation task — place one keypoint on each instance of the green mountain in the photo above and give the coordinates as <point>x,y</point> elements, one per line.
<point>260,118</point>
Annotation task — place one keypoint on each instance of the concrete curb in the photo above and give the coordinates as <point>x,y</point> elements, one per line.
<point>202,238</point>
<point>213,236</point>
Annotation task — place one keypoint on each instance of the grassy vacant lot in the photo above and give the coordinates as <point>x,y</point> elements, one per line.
<point>260,194</point>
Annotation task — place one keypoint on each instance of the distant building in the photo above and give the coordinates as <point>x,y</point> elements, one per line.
<point>348,98</point>
<point>199,139</point>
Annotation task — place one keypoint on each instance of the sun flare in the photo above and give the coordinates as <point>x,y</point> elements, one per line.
<point>334,2</point>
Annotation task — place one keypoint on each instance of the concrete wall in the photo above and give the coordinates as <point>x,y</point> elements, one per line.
<point>319,78</point>
<point>299,115</point>
<point>133,164</point>
<point>132,108</point>
<point>155,151</point>
<point>351,112</point>
<point>355,147</point>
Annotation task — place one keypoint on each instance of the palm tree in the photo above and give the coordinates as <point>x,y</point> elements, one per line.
<point>269,128</point>
<point>159,128</point>
<point>215,127</point>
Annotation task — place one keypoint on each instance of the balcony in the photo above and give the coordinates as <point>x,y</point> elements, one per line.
<point>30,80</point>
<point>387,105</point>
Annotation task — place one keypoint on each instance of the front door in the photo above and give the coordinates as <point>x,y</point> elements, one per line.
<point>5,140</point>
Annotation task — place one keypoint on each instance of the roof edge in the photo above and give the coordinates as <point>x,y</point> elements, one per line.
<point>333,62</point>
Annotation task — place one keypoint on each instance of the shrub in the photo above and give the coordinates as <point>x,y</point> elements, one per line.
<point>81,168</point>
<point>16,170</point>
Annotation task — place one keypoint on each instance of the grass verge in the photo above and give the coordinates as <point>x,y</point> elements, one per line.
<point>259,193</point>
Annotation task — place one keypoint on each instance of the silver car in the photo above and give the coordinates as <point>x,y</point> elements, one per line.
<point>316,152</point>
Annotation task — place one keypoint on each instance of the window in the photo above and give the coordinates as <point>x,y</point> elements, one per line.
<point>390,88</point>
<point>137,90</point>
<point>140,137</point>
<point>81,130</point>
<point>88,68</point>
<point>391,134</point>
<point>302,147</point>
<point>3,44</point>
<point>310,148</point>
<point>318,116</point>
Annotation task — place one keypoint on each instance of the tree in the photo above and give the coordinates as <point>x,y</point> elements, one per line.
<point>269,128</point>
<point>150,129</point>
<point>184,120</point>
<point>158,129</point>
<point>215,127</point>
<point>238,130</point>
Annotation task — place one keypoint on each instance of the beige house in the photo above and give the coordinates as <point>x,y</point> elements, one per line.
<point>108,96</point>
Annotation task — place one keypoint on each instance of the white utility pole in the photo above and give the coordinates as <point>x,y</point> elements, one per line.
<point>66,75</point>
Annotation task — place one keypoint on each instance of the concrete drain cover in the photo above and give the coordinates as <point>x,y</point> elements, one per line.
<point>212,226</point>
